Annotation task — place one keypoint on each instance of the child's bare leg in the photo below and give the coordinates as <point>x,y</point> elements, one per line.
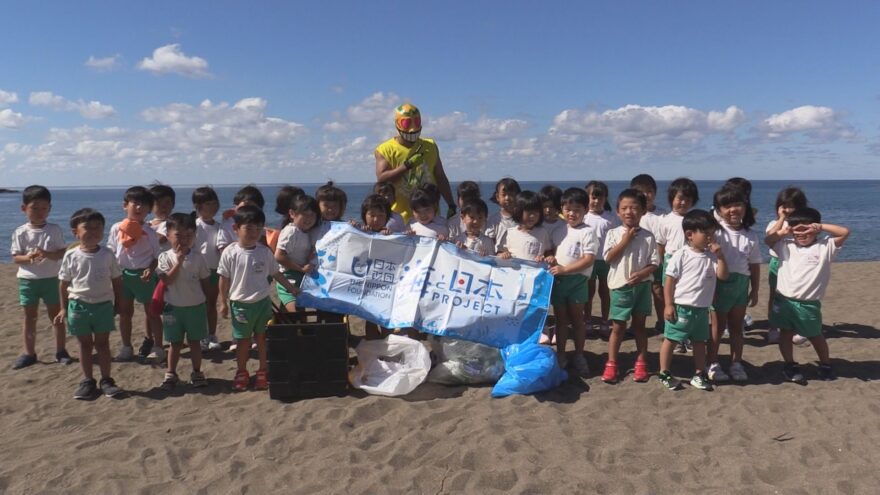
<point>591,291</point>
<point>60,332</point>
<point>638,326</point>
<point>786,348</point>
<point>154,326</point>
<point>772,294</point>
<point>195,354</point>
<point>211,302</point>
<point>174,355</point>
<point>290,307</point>
<point>735,319</point>
<point>699,357</point>
<point>562,320</point>
<point>86,345</point>
<point>659,306</point>
<point>718,322</point>
<point>261,349</point>
<point>617,330</point>
<point>666,349</point>
<point>29,329</point>
<point>102,347</point>
<point>821,346</point>
<point>604,298</point>
<point>242,353</point>
<point>126,312</point>
<point>576,314</point>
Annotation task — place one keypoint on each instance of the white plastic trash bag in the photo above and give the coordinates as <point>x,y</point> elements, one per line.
<point>393,366</point>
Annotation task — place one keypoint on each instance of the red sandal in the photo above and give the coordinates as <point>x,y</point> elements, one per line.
<point>610,373</point>
<point>240,383</point>
<point>640,374</point>
<point>261,382</point>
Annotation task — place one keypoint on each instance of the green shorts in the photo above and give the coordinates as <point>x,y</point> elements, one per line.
<point>802,317</point>
<point>631,299</point>
<point>134,288</point>
<point>773,272</point>
<point>213,278</point>
<point>691,323</point>
<point>569,289</point>
<point>731,292</point>
<point>600,270</point>
<point>87,318</point>
<point>663,265</point>
<point>250,318</point>
<point>295,278</point>
<point>30,291</point>
<point>181,323</point>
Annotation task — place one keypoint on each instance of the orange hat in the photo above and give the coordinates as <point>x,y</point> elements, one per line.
<point>407,118</point>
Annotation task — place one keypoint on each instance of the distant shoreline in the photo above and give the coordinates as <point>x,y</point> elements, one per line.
<point>7,191</point>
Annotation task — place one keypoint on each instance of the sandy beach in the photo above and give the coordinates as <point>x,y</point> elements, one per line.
<point>585,437</point>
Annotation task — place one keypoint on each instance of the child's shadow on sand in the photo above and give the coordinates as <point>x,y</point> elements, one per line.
<point>215,386</point>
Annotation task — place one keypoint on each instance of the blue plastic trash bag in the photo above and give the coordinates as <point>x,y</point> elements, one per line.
<point>529,368</point>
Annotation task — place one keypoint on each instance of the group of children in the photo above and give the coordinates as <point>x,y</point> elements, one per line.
<point>698,269</point>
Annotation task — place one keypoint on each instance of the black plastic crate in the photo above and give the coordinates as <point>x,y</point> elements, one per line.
<point>308,355</point>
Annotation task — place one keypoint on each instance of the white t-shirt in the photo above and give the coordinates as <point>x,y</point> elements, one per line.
<point>767,231</point>
<point>396,224</point>
<point>161,228</point>
<point>139,256</point>
<point>476,244</point>
<point>296,243</point>
<point>695,277</point>
<point>90,274</point>
<point>248,271</point>
<point>227,235</point>
<point>525,245</point>
<point>26,238</point>
<point>670,234</point>
<point>639,253</point>
<point>206,242</point>
<point>496,224</point>
<point>651,221</point>
<point>601,224</point>
<point>186,289</point>
<point>804,271</point>
<point>456,225</point>
<point>740,248</point>
<point>558,230</point>
<point>575,244</point>
<point>434,229</point>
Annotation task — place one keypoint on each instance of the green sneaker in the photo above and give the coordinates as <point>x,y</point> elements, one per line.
<point>669,381</point>
<point>701,382</point>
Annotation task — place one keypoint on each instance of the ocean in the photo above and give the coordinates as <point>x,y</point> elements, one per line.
<point>850,203</point>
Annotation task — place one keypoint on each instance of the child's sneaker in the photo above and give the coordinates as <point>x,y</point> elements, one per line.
<point>158,353</point>
<point>108,386</point>
<point>87,389</point>
<point>126,353</point>
<point>581,366</point>
<point>610,373</point>
<point>701,382</point>
<point>213,343</point>
<point>640,374</point>
<point>826,373</point>
<point>205,344</point>
<point>170,381</point>
<point>241,380</point>
<point>198,380</point>
<point>683,347</point>
<point>773,336</point>
<point>63,357</point>
<point>800,340</point>
<point>669,381</point>
<point>146,347</point>
<point>233,346</point>
<point>792,372</point>
<point>24,361</point>
<point>738,372</point>
<point>717,374</point>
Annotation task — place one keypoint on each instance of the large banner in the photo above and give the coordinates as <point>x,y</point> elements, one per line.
<point>401,281</point>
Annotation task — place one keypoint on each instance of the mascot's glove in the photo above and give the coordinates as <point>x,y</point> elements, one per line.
<point>415,159</point>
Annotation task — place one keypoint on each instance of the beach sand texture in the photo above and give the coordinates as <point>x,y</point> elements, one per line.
<point>585,437</point>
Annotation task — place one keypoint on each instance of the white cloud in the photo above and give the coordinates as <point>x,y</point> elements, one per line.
<point>6,98</point>
<point>10,119</point>
<point>456,127</point>
<point>88,109</point>
<point>104,64</point>
<point>636,128</point>
<point>820,123</point>
<point>170,59</point>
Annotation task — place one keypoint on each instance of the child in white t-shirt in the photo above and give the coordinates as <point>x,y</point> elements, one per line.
<point>529,240</point>
<point>245,270</point>
<point>551,199</point>
<point>787,201</point>
<point>91,281</point>
<point>691,274</point>
<point>207,204</point>
<point>37,249</point>
<point>650,221</point>
<point>163,205</point>
<point>804,274</point>
<point>295,249</point>
<point>375,211</point>
<point>425,221</point>
<point>504,196</point>
<point>631,254</point>
<point>473,216</point>
<point>571,266</point>
<point>395,223</point>
<point>601,220</point>
<point>137,250</point>
<point>740,246</point>
<point>186,275</point>
<point>467,191</point>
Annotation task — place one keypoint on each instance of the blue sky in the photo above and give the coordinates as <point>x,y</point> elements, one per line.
<point>113,93</point>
